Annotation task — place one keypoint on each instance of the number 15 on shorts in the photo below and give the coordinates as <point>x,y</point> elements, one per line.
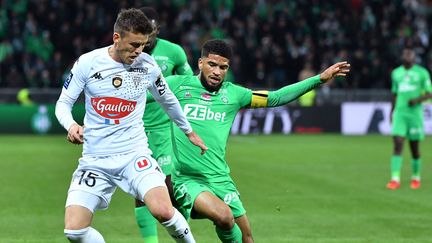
<point>85,177</point>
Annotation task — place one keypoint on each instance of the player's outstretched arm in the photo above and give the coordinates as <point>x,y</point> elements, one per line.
<point>197,141</point>
<point>291,92</point>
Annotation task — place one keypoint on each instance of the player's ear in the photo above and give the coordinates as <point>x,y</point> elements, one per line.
<point>200,63</point>
<point>116,37</point>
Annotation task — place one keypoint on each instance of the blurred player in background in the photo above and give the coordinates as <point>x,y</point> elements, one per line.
<point>202,184</point>
<point>115,80</point>
<point>171,59</point>
<point>411,85</point>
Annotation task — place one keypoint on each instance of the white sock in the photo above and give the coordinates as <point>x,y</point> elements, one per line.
<point>179,228</point>
<point>86,235</point>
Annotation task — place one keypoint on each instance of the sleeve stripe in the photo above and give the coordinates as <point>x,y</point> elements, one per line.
<point>258,94</point>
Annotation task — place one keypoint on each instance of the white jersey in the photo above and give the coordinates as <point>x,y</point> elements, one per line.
<point>115,96</point>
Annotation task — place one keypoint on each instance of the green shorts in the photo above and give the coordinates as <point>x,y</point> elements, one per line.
<point>186,190</point>
<point>160,143</point>
<point>409,126</point>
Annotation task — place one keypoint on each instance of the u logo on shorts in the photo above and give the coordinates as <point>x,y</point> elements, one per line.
<point>142,163</point>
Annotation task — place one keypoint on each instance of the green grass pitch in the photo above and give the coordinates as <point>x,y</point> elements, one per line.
<point>296,188</point>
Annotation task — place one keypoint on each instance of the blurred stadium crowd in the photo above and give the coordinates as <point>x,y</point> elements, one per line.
<point>273,40</point>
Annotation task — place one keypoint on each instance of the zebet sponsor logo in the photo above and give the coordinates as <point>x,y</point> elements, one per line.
<point>200,112</point>
<point>113,108</point>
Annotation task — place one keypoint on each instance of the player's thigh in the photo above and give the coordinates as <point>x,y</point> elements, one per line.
<point>141,174</point>
<point>90,188</point>
<point>399,126</point>
<point>210,206</point>
<point>415,129</point>
<point>229,194</point>
<point>186,191</point>
<point>160,143</point>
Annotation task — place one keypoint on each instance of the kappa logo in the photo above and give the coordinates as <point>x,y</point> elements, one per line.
<point>142,163</point>
<point>97,76</point>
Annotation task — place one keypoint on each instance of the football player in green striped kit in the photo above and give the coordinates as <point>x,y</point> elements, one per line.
<point>171,58</point>
<point>411,85</point>
<point>202,184</point>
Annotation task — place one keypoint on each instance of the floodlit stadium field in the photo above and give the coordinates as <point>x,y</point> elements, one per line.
<point>296,188</point>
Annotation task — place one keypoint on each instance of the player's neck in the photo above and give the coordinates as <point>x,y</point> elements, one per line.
<point>112,53</point>
<point>408,65</point>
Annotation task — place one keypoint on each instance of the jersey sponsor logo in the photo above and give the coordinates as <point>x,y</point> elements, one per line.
<point>143,70</point>
<point>201,113</point>
<point>68,80</point>
<point>161,86</point>
<point>142,163</point>
<point>205,96</point>
<point>113,108</point>
<point>117,81</point>
<point>406,87</point>
<point>161,58</point>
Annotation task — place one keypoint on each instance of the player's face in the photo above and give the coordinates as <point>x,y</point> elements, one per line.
<point>151,43</point>
<point>129,46</point>
<point>213,69</point>
<point>408,56</point>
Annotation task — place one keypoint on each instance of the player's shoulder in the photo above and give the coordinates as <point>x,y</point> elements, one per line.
<point>146,59</point>
<point>232,86</point>
<point>180,78</point>
<point>398,69</point>
<point>420,68</point>
<point>168,43</point>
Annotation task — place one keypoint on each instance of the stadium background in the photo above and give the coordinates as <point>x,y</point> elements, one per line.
<point>319,187</point>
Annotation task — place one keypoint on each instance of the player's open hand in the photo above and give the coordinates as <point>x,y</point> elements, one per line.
<point>197,141</point>
<point>340,69</point>
<point>75,134</point>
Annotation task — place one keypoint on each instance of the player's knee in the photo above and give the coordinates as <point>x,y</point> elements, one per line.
<point>225,219</point>
<point>163,213</point>
<point>76,235</point>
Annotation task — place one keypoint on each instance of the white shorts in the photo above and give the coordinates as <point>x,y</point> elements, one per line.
<point>96,178</point>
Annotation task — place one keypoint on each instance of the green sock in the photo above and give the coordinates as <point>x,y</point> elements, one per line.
<point>230,236</point>
<point>396,165</point>
<point>416,166</point>
<point>147,224</point>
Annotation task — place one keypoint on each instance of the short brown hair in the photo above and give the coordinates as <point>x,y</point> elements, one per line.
<point>132,20</point>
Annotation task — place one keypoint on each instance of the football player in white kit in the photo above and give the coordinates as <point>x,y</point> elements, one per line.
<point>115,80</point>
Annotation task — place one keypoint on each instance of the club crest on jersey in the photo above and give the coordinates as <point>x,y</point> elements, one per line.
<point>117,81</point>
<point>136,81</point>
<point>224,99</point>
<point>142,163</point>
<point>112,108</point>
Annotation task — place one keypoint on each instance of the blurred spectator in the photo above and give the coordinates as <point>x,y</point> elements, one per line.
<point>273,38</point>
